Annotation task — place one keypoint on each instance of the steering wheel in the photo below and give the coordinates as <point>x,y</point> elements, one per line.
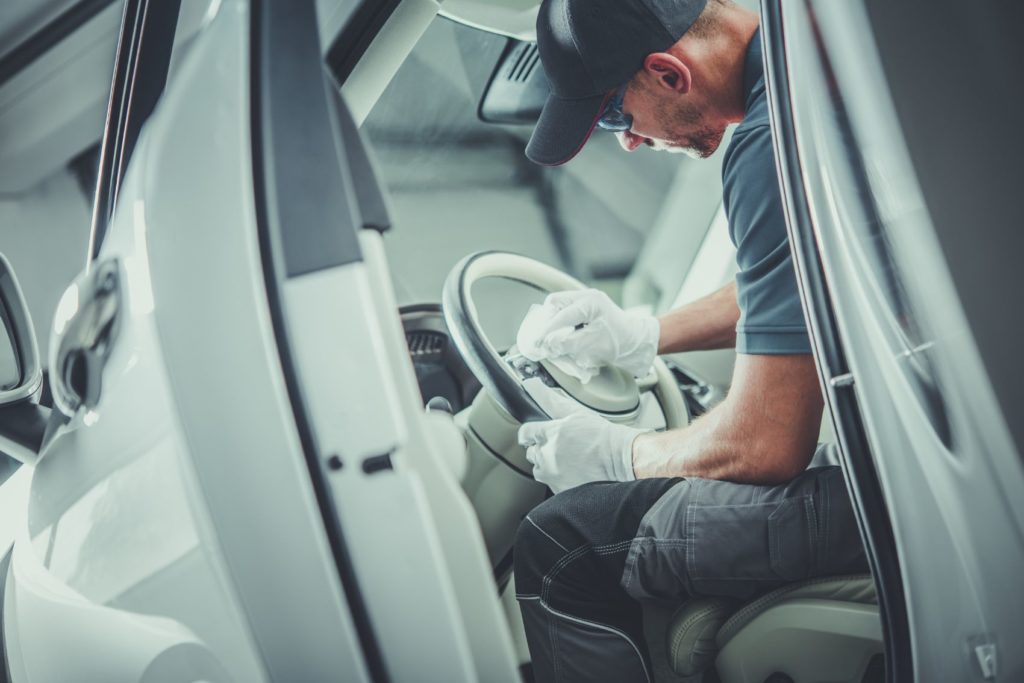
<point>613,392</point>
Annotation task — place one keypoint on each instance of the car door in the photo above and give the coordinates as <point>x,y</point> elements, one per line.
<point>238,483</point>
<point>895,238</point>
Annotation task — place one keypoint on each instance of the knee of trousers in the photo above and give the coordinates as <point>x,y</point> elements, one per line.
<point>536,550</point>
<point>599,515</point>
<point>557,527</point>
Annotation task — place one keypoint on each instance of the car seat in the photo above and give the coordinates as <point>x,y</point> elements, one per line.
<point>821,629</point>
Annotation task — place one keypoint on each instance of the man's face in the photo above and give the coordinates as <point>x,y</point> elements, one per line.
<point>667,122</point>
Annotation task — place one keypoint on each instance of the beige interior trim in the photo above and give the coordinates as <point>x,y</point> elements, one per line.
<point>385,55</point>
<point>512,18</point>
<point>808,640</point>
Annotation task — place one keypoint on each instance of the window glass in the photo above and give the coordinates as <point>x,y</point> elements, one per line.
<point>871,229</point>
<point>459,185</point>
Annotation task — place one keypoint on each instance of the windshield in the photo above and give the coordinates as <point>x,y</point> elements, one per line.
<point>459,185</point>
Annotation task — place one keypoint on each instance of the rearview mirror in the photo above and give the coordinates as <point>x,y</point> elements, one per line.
<point>517,89</point>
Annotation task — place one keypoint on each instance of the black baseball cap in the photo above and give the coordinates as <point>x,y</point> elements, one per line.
<point>589,48</point>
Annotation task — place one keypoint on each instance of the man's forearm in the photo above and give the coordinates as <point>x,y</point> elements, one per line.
<point>707,323</point>
<point>715,446</point>
<point>764,432</point>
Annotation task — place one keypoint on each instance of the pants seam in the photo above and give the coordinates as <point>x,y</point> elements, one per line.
<point>549,579</point>
<point>549,536</point>
<point>572,556</point>
<point>622,634</point>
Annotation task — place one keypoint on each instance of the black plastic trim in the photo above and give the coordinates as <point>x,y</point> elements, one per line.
<point>5,670</point>
<point>46,38</point>
<point>307,190</point>
<point>26,424</point>
<point>284,47</point>
<point>369,193</point>
<point>378,463</point>
<point>141,65</point>
<point>855,454</point>
<point>489,369</point>
<point>418,318</point>
<point>355,37</point>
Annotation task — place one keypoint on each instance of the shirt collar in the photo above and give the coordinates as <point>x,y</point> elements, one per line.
<point>753,67</point>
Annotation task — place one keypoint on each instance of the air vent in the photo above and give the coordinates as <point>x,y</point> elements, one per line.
<point>422,343</point>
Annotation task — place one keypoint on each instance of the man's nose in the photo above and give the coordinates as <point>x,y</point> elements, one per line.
<point>630,140</point>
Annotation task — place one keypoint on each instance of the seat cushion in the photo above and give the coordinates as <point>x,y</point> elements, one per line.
<point>701,627</point>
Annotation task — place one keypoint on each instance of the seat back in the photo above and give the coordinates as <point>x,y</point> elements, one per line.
<point>671,248</point>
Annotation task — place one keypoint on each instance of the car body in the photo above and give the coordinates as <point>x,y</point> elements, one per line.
<point>242,483</point>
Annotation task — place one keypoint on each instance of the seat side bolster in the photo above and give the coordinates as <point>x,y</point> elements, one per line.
<point>856,588</point>
<point>690,639</point>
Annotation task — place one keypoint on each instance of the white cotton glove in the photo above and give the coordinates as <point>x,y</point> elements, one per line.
<point>577,447</point>
<point>582,331</point>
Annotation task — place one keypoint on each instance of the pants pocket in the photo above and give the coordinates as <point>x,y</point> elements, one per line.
<point>728,552</point>
<point>738,550</point>
<point>791,532</point>
<point>706,537</point>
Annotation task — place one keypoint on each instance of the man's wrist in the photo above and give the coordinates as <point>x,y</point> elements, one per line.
<point>622,464</point>
<point>663,341</point>
<point>654,335</point>
<point>634,451</point>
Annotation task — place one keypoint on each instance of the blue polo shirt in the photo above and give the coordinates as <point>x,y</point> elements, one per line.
<point>771,317</point>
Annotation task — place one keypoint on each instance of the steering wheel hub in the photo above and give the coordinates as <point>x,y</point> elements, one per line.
<point>612,392</point>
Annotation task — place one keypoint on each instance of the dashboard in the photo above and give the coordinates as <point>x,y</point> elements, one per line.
<point>440,370</point>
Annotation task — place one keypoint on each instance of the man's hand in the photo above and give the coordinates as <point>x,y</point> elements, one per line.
<point>577,447</point>
<point>586,328</point>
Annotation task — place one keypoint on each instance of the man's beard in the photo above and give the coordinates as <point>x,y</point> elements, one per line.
<point>699,145</point>
<point>689,133</point>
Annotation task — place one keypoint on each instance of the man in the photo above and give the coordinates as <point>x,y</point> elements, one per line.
<point>727,505</point>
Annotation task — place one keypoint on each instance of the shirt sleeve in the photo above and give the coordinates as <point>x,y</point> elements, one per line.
<point>771,316</point>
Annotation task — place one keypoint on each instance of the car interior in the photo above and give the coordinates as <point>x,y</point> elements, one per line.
<point>648,229</point>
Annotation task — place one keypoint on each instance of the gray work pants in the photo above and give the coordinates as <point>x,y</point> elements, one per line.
<point>586,558</point>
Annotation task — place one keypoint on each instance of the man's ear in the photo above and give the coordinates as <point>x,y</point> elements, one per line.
<point>669,72</point>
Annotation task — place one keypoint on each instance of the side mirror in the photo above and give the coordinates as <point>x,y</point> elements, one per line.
<point>21,375</point>
<point>22,421</point>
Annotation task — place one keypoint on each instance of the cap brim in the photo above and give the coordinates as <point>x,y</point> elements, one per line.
<point>563,128</point>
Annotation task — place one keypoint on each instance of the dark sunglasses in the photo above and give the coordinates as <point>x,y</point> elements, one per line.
<point>613,118</point>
